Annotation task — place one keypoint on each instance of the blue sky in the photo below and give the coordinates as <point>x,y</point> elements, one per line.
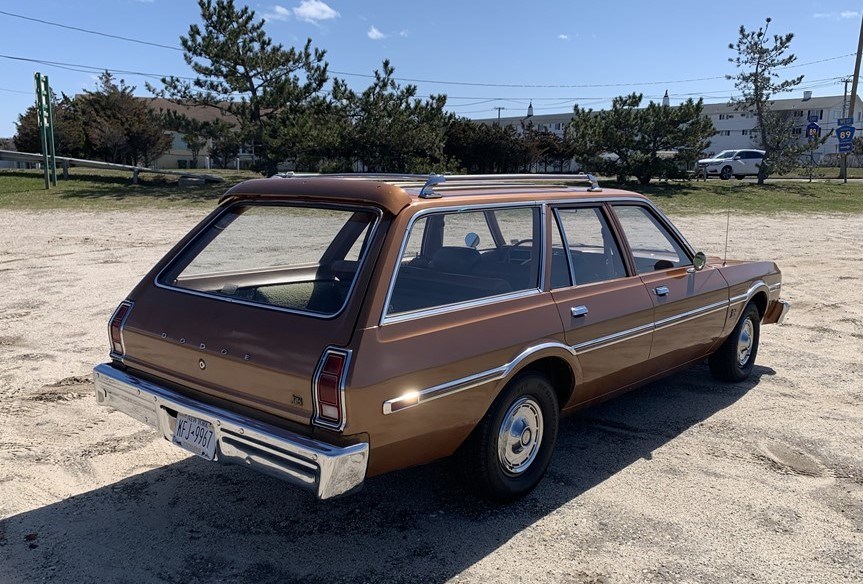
<point>589,51</point>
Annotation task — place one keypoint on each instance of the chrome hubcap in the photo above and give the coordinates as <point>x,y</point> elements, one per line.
<point>520,436</point>
<point>744,343</point>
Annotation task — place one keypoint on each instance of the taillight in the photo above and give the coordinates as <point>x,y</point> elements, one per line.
<point>329,385</point>
<point>115,329</point>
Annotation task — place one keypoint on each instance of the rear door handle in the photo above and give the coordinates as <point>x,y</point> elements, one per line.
<point>661,290</point>
<point>578,311</point>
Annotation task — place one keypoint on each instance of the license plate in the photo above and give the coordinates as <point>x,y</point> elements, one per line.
<point>195,435</point>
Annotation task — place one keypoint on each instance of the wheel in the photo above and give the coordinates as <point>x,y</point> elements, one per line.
<point>734,359</point>
<point>725,173</point>
<point>509,451</point>
<point>739,176</point>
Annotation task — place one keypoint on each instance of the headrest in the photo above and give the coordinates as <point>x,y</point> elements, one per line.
<point>454,260</point>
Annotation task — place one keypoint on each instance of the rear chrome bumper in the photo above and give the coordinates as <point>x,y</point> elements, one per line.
<point>316,466</point>
<point>786,306</point>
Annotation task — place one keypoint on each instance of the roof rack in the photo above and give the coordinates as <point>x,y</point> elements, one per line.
<point>427,182</point>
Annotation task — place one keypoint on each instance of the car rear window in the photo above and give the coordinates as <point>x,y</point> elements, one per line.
<point>298,258</point>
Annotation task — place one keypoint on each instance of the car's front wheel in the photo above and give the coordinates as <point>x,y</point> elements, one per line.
<point>725,173</point>
<point>509,451</point>
<point>735,358</point>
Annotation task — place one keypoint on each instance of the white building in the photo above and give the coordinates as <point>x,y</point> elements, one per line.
<point>734,128</point>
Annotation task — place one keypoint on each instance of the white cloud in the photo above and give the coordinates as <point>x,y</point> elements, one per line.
<point>315,11</point>
<point>844,15</point>
<point>404,34</point>
<point>375,34</point>
<point>278,13</point>
<point>563,37</point>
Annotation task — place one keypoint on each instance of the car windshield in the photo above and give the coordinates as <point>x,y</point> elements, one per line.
<point>725,154</point>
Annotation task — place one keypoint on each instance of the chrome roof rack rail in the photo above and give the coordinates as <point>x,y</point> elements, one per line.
<point>427,182</point>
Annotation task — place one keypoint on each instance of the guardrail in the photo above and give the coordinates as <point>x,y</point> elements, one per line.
<point>97,164</point>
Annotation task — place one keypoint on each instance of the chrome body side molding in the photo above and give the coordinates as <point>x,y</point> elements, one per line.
<point>416,398</point>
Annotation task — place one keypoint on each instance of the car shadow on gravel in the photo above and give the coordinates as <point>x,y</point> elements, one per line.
<point>198,522</point>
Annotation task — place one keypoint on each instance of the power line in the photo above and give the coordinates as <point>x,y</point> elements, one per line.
<point>88,31</point>
<point>416,80</point>
<point>16,91</point>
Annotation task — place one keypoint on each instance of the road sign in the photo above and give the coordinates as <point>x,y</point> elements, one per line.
<point>845,135</point>
<point>813,118</point>
<point>845,121</point>
<point>813,130</point>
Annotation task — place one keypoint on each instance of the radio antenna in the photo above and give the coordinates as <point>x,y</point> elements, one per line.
<point>727,225</point>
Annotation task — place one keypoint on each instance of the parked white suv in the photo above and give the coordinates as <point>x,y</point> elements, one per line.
<point>728,163</point>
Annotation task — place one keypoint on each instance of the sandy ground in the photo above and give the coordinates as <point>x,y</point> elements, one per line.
<point>687,480</point>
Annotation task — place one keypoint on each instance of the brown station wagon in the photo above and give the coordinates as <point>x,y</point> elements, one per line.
<point>326,329</point>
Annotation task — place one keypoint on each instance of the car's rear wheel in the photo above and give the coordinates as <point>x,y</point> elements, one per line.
<point>725,173</point>
<point>509,451</point>
<point>735,358</point>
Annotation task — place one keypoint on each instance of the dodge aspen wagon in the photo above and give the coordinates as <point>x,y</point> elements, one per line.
<point>326,329</point>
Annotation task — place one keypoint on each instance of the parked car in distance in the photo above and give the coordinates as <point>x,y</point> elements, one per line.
<point>326,329</point>
<point>728,163</point>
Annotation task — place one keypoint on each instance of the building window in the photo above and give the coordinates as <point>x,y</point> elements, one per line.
<point>726,116</point>
<point>744,132</point>
<point>798,113</point>
<point>723,133</point>
<point>796,131</point>
<point>819,113</point>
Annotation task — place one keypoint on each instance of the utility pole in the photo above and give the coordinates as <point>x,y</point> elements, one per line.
<point>498,108</point>
<point>843,171</point>
<point>856,75</point>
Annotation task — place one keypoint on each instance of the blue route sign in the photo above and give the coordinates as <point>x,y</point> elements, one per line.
<point>813,130</point>
<point>812,118</point>
<point>845,135</point>
<point>845,121</point>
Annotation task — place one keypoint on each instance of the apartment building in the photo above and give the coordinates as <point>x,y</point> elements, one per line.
<point>734,128</point>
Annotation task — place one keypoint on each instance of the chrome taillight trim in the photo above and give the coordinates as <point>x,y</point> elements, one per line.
<point>317,419</point>
<point>113,354</point>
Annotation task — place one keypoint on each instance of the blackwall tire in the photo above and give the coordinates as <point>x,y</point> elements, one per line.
<point>735,358</point>
<point>509,451</point>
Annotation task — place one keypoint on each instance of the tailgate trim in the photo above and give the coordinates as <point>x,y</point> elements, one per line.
<point>316,466</point>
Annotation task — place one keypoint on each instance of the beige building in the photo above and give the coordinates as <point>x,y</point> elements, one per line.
<point>180,155</point>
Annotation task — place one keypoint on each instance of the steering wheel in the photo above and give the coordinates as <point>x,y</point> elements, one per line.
<point>508,255</point>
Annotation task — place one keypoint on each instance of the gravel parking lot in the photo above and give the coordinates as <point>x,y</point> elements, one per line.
<point>686,480</point>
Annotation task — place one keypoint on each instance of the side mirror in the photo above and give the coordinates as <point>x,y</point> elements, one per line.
<point>736,158</point>
<point>471,240</point>
<point>699,261</point>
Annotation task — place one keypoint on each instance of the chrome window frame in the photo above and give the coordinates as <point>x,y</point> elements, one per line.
<point>603,215</point>
<point>159,283</point>
<point>456,306</point>
<point>663,220</point>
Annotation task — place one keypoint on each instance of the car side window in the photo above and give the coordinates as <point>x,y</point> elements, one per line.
<point>593,254</point>
<point>449,266</point>
<point>653,247</point>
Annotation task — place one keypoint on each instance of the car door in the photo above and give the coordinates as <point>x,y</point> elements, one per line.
<point>690,307</point>
<point>607,312</point>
